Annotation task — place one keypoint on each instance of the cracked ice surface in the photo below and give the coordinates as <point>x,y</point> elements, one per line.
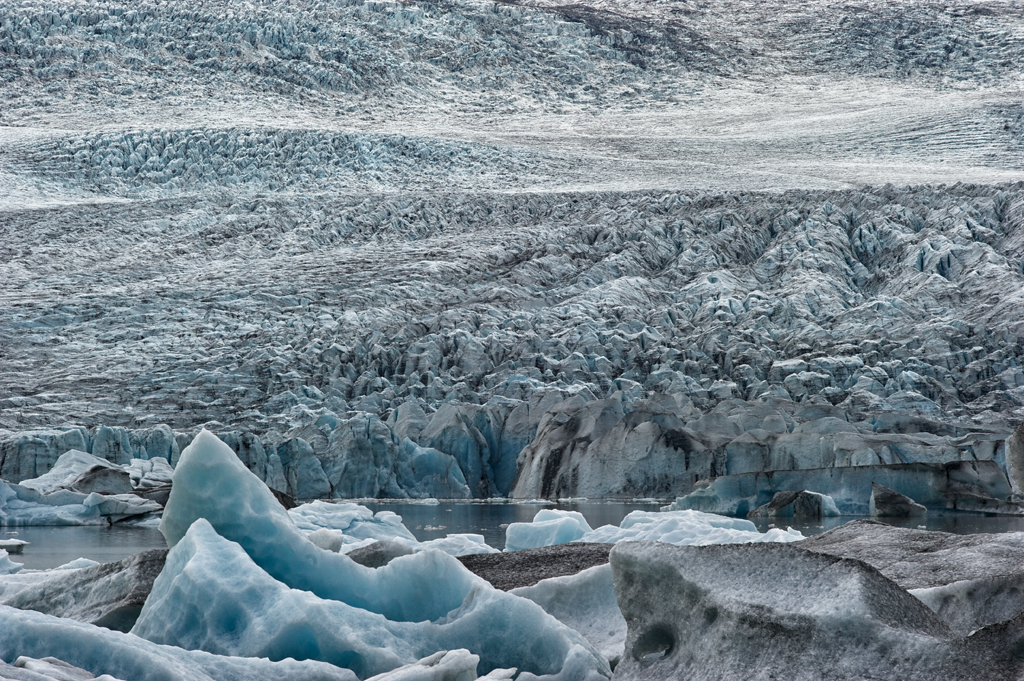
<point>388,237</point>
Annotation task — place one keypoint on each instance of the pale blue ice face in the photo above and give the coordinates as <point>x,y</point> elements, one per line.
<point>242,578</point>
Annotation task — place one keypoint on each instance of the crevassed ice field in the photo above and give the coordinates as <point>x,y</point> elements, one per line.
<point>742,257</point>
<point>479,249</point>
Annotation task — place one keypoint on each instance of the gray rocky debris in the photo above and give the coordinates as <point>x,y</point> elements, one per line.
<point>887,503</point>
<point>765,611</point>
<point>507,571</point>
<point>109,595</point>
<point>379,553</point>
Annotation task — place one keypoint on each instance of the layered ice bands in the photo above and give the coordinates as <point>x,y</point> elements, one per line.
<point>220,514</point>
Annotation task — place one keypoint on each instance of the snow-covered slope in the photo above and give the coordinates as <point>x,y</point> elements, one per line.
<point>288,220</point>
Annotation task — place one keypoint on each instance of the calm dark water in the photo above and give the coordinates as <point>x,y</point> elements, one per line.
<point>53,546</point>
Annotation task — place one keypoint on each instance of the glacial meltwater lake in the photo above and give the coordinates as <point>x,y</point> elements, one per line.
<point>50,547</point>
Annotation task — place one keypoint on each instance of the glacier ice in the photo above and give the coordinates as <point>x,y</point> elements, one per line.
<point>775,610</point>
<point>124,656</point>
<point>967,485</point>
<point>685,527</point>
<point>8,566</point>
<point>585,602</point>
<point>549,527</point>
<point>109,595</point>
<point>232,607</point>
<point>233,515</point>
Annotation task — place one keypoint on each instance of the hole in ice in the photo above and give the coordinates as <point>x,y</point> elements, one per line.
<point>654,645</point>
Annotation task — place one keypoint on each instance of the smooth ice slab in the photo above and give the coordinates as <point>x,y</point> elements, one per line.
<point>549,527</point>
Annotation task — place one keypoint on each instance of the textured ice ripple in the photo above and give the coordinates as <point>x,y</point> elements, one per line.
<point>141,162</point>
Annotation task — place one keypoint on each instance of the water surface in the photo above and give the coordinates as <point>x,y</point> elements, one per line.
<point>54,546</point>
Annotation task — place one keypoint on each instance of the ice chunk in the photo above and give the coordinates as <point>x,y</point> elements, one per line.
<point>13,546</point>
<point>672,527</point>
<point>379,553</point>
<point>124,656</point>
<point>445,665</point>
<point>211,596</point>
<point>549,527</point>
<point>108,595</point>
<point>888,503</point>
<point>777,611</point>
<point>802,504</point>
<point>585,602</point>
<point>20,505</point>
<point>7,566</point>
<point>356,522</point>
<point>458,545</point>
<point>328,540</point>
<point>212,484</point>
<point>76,467</point>
<point>48,669</point>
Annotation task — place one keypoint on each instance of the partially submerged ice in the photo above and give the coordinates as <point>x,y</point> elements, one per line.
<point>761,611</point>
<point>425,602</point>
<point>552,527</point>
<point>108,595</point>
<point>970,581</point>
<point>801,504</point>
<point>959,485</point>
<point>20,505</point>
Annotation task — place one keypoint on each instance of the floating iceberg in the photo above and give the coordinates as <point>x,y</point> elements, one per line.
<point>549,527</point>
<point>426,602</point>
<point>671,527</point>
<point>81,472</point>
<point>356,522</point>
<point>20,505</point>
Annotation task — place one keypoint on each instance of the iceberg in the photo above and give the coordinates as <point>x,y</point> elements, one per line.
<point>356,522</point>
<point>81,472</point>
<point>671,527</point>
<point>211,596</point>
<point>8,566</point>
<point>776,611</point>
<point>125,656</point>
<point>549,527</point>
<point>428,596</point>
